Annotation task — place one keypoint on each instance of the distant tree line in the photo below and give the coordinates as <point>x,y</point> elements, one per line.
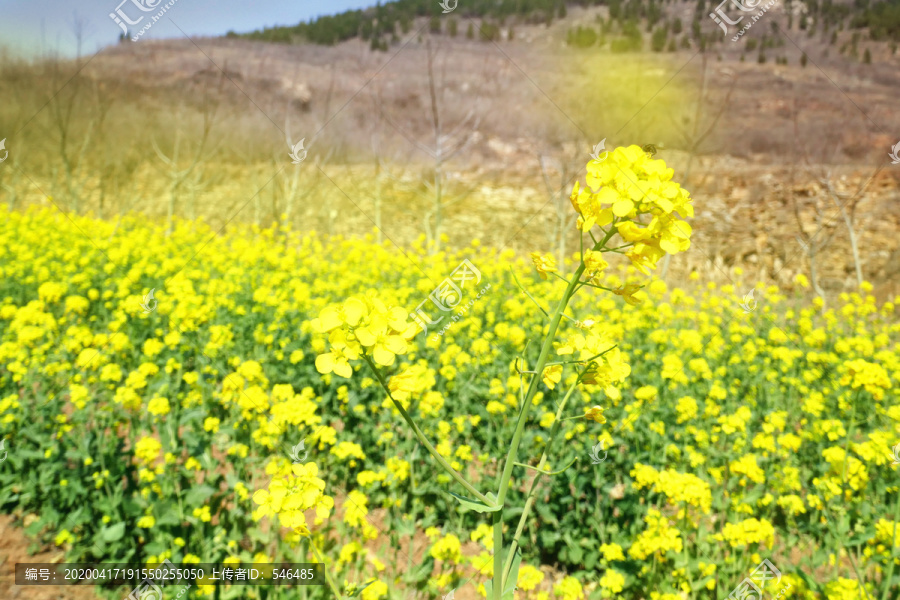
<point>384,24</point>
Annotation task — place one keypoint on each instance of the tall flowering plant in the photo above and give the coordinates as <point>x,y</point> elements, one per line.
<point>629,206</point>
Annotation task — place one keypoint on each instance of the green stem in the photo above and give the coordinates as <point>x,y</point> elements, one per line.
<point>542,472</point>
<point>321,559</point>
<point>421,437</point>
<point>498,554</point>
<point>840,525</point>
<point>529,502</point>
<point>890,574</point>
<point>523,418</point>
<point>533,386</point>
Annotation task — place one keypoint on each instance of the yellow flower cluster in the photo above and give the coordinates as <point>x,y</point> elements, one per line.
<point>659,538</point>
<point>361,326</point>
<point>624,188</point>
<point>606,364</point>
<point>296,490</point>
<point>679,488</point>
<point>741,410</point>
<point>748,532</point>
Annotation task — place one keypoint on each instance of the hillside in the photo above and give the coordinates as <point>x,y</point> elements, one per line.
<point>672,25</point>
<point>751,126</point>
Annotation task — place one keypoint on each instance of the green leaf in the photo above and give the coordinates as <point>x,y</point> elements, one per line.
<point>421,573</point>
<point>113,533</point>
<point>197,496</point>
<point>513,578</point>
<point>548,538</point>
<point>258,535</point>
<point>476,505</point>
<point>360,589</point>
<point>507,594</point>
<point>155,548</point>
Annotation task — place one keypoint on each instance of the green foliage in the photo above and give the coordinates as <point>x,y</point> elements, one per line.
<point>581,37</point>
<point>489,32</point>
<point>658,40</point>
<point>615,9</point>
<point>631,41</point>
<point>882,19</point>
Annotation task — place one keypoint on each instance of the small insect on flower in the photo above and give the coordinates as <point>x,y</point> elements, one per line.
<point>651,149</point>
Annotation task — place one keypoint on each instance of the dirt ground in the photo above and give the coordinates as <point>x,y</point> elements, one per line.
<point>14,549</point>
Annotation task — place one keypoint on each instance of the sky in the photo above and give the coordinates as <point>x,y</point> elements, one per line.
<point>33,27</point>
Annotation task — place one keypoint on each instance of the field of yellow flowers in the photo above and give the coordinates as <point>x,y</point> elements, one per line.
<point>143,429</point>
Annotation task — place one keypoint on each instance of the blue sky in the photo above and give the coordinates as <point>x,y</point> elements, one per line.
<point>28,26</point>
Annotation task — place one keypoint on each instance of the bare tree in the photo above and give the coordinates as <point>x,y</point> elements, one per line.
<point>293,189</point>
<point>695,130</point>
<point>178,175</point>
<point>811,240</point>
<point>846,203</point>
<point>446,146</point>
<point>559,190</point>
<point>73,142</point>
